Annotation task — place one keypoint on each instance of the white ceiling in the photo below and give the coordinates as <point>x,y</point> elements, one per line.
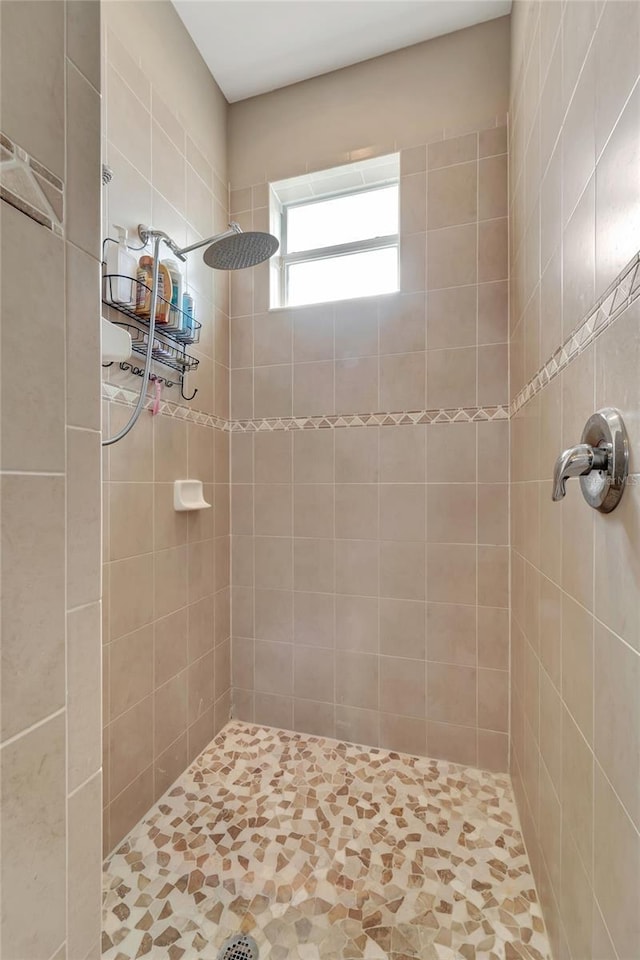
<point>253,46</point>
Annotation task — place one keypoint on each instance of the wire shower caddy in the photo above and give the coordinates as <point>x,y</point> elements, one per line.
<point>170,339</point>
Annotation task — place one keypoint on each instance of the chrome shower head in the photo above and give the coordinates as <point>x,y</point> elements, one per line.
<point>232,250</point>
<point>239,250</point>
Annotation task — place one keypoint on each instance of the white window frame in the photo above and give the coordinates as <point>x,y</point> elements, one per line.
<point>340,249</point>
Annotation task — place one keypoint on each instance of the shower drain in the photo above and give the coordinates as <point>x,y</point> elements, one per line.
<point>240,947</point>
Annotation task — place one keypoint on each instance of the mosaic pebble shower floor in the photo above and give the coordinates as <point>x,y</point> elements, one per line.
<point>320,850</point>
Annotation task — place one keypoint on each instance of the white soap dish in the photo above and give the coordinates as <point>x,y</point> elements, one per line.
<point>187,495</point>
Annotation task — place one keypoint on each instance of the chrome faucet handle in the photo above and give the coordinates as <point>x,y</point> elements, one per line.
<point>577,461</point>
<point>601,460</point>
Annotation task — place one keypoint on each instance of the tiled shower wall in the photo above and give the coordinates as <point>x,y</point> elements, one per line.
<point>370,579</point>
<point>166,574</point>
<point>575,213</point>
<point>50,754</point>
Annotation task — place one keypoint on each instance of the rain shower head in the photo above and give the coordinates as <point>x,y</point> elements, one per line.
<point>232,250</point>
<point>240,250</point>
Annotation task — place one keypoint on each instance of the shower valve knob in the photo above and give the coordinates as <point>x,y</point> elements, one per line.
<point>601,461</point>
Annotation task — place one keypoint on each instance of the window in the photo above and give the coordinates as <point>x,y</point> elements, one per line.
<point>338,233</point>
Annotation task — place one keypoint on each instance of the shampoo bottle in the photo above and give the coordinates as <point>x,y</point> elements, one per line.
<point>143,299</point>
<point>122,268</point>
<point>175,313</point>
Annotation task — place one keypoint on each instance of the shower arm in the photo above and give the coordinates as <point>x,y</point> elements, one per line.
<point>146,235</point>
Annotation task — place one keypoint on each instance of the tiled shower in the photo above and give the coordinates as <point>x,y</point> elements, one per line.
<point>383,588</point>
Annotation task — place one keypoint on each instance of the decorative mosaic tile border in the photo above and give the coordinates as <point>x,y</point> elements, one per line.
<point>615,300</point>
<point>393,419</point>
<point>119,394</point>
<point>30,187</point>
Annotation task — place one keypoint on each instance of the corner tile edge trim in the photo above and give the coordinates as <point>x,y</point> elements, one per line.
<point>119,394</point>
<point>29,187</point>
<point>618,296</point>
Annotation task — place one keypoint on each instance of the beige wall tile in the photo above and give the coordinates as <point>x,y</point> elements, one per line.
<point>313,510</point>
<point>176,636</point>
<point>402,629</point>
<point>402,511</point>
<point>452,150</point>
<point>451,378</point>
<point>130,594</point>
<point>577,664</point>
<point>413,202</point>
<point>412,262</point>
<point>274,563</point>
<point>357,510</point>
<point>313,456</point>
<point>33,432</point>
<point>356,328</point>
<point>451,513</point>
<point>451,257</point>
<point>273,391</point>
<point>493,750</point>
<point>313,333</point>
<point>272,457</point>
<point>357,680</point>
<point>402,570</point>
<point>453,195</point>
<point>313,619</point>
<point>273,615</point>
<point>451,633</point>
<point>131,665</point>
<point>356,385</point>
<point>130,806</point>
<point>34,831</point>
<point>131,515</point>
<point>274,711</point>
<point>402,382</point>
<point>84,716</point>
<point>616,721</point>
<point>170,579</point>
<point>33,538</point>
<point>451,573</point>
<point>451,742</point>
<point>84,894</point>
<point>617,191</point>
<point>273,338</point>
<point>200,570</point>
<point>83,517</point>
<point>313,389</point>
<point>83,294</point>
<point>317,719</point>
<point>405,734</point>
<point>314,565</point>
<point>130,745</point>
<point>402,687</point>
<point>451,453</point>
<point>170,764</point>
<point>313,674</point>
<point>452,320</point>
<point>356,456</point>
<point>82,214</point>
<point>32,105</point>
<point>616,852</point>
<point>274,667</point>
<point>170,707</point>
<point>401,322</point>
<point>356,620</point>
